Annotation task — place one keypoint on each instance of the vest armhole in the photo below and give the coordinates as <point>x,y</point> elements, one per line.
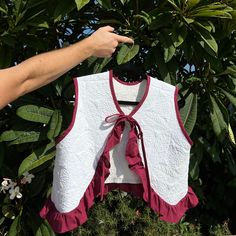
<point>67,131</point>
<point>179,117</point>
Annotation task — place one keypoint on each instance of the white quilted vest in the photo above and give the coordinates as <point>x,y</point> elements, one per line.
<point>166,142</point>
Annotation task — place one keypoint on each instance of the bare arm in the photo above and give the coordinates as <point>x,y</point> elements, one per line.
<point>45,68</point>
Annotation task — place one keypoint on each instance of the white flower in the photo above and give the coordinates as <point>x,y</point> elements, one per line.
<point>4,186</point>
<point>15,192</point>
<point>11,184</point>
<point>27,178</point>
<point>7,184</point>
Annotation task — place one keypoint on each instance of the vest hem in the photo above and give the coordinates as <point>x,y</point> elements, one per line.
<point>64,222</point>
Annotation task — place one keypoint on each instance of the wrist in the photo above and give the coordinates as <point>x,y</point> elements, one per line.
<point>89,46</point>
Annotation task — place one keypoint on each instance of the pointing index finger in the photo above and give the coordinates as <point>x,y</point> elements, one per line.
<point>124,39</point>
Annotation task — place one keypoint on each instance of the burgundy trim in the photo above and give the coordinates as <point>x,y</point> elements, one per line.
<point>179,117</point>
<point>129,84</point>
<point>67,131</point>
<point>63,222</point>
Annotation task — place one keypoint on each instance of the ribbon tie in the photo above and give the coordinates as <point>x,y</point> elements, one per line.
<point>132,154</point>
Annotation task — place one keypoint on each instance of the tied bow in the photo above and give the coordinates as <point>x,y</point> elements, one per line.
<point>118,118</point>
<point>132,154</point>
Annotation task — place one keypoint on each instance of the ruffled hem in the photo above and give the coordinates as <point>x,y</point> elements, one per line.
<point>63,222</point>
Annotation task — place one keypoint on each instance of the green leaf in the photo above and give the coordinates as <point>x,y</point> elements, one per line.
<point>167,43</point>
<point>35,114</point>
<point>44,230</point>
<point>219,118</point>
<point>231,135</point>
<point>205,25</point>
<point>8,135</point>
<point>33,161</point>
<point>174,5</point>
<point>209,13</point>
<point>3,10</point>
<point>81,3</point>
<point>55,125</point>
<point>231,96</point>
<point>213,7</point>
<point>208,41</point>
<point>166,70</point>
<point>39,227</point>
<point>231,70</point>
<point>40,24</point>
<point>195,160</point>
<point>2,220</point>
<point>100,64</point>
<point>179,34</point>
<point>18,137</point>
<point>36,15</point>
<point>126,53</point>
<point>192,80</point>
<point>146,19</point>
<point>188,20</point>
<point>25,137</point>
<point>34,158</point>
<point>192,3</point>
<point>15,229</point>
<point>189,112</point>
<point>62,8</point>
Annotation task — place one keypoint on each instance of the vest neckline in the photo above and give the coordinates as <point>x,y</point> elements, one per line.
<point>136,108</point>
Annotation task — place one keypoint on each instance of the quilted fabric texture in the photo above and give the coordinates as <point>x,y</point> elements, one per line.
<point>77,175</point>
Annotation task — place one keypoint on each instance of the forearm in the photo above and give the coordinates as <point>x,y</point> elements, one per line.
<point>43,69</point>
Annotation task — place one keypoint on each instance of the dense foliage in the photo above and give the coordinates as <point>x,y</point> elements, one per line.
<point>189,43</point>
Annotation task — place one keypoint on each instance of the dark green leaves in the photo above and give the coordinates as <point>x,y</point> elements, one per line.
<point>230,95</point>
<point>219,118</point>
<point>168,46</point>
<point>179,34</point>
<point>192,3</point>
<point>37,158</point>
<point>189,112</point>
<point>39,227</point>
<point>126,53</point>
<point>15,229</point>
<point>216,9</point>
<point>207,41</point>
<point>55,125</point>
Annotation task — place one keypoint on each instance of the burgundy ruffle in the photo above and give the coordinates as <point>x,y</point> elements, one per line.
<point>63,222</point>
